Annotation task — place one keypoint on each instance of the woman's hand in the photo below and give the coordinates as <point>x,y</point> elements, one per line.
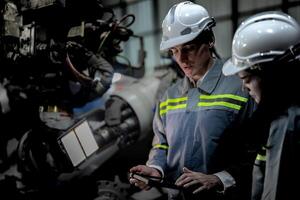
<point>145,170</point>
<point>203,181</point>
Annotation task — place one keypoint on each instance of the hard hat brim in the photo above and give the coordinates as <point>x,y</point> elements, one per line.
<point>231,69</point>
<point>165,45</point>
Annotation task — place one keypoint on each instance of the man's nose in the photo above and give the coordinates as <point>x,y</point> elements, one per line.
<point>244,86</point>
<point>182,57</point>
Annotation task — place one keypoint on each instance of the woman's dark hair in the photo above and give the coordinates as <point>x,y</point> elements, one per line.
<point>207,37</point>
<point>280,90</point>
<point>280,84</point>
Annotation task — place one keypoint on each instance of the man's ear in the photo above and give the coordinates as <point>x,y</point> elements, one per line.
<point>211,42</point>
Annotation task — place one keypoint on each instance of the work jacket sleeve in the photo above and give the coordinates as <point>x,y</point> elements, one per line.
<point>240,164</point>
<point>158,153</point>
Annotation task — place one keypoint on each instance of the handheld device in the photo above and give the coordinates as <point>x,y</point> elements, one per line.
<point>154,181</point>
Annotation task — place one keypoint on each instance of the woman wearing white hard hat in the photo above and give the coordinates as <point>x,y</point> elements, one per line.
<point>265,55</point>
<point>193,114</point>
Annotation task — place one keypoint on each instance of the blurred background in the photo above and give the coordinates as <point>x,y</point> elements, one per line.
<point>228,14</point>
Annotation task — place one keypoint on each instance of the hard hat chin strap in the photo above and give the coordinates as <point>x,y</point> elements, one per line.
<point>289,55</point>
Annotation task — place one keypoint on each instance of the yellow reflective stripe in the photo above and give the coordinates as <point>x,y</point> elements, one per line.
<point>176,100</point>
<point>261,157</point>
<point>219,96</point>
<point>180,106</point>
<point>161,146</point>
<point>220,103</point>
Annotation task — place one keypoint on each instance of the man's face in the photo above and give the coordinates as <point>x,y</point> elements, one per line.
<point>192,59</point>
<point>252,83</point>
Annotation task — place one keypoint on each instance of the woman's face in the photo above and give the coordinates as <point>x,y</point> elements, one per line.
<point>253,84</point>
<point>192,58</point>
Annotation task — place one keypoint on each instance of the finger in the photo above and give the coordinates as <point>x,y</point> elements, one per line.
<point>186,170</point>
<point>139,184</point>
<point>133,181</point>
<point>199,189</point>
<point>181,179</point>
<point>137,168</point>
<point>133,169</point>
<point>193,182</point>
<point>184,180</point>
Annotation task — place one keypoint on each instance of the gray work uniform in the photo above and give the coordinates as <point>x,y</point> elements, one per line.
<point>258,175</point>
<point>280,180</point>
<point>189,122</point>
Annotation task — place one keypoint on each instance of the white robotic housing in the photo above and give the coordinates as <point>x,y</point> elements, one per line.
<point>141,96</point>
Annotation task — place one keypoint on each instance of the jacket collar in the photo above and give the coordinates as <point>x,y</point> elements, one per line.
<point>210,81</point>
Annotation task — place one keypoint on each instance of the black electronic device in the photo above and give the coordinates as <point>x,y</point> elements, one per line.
<point>154,181</point>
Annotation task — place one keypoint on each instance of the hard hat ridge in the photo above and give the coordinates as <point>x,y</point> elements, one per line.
<point>184,22</point>
<point>260,39</point>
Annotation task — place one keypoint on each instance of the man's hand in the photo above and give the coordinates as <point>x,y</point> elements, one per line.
<point>145,170</point>
<point>204,181</point>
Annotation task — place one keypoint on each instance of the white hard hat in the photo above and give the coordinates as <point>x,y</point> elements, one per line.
<point>260,39</point>
<point>184,22</point>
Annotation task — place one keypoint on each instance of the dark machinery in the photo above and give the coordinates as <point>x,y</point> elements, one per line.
<point>86,147</point>
<point>49,65</point>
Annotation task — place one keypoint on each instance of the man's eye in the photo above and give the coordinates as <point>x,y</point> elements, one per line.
<point>247,79</point>
<point>173,51</point>
<point>189,48</point>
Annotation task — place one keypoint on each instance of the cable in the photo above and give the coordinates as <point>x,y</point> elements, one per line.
<point>116,27</point>
<point>126,59</point>
<point>290,54</point>
<point>79,76</point>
